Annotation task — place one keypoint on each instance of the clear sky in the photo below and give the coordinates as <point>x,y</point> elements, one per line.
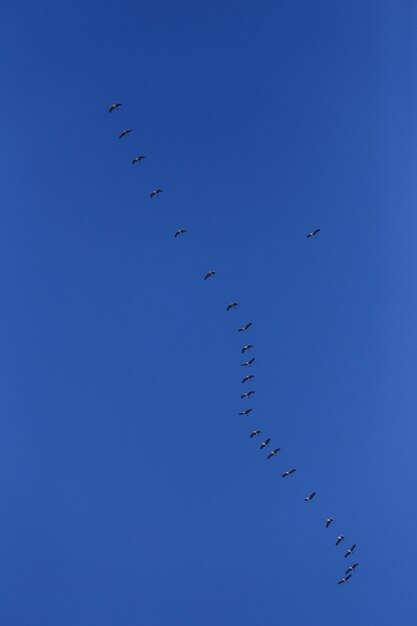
<point>131,492</point>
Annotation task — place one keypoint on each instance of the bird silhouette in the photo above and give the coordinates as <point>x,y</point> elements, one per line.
<point>350,551</point>
<point>265,443</point>
<point>344,580</point>
<point>179,232</point>
<point>339,539</point>
<point>254,433</point>
<point>310,497</point>
<point>248,394</point>
<point>329,521</point>
<point>209,274</point>
<point>288,473</point>
<point>313,233</point>
<point>245,412</point>
<point>115,106</point>
<point>249,346</point>
<point>273,453</point>
<point>246,327</point>
<point>232,305</point>
<point>155,192</point>
<point>125,132</point>
<point>351,568</point>
<point>137,159</point>
<point>248,377</point>
<point>247,363</point>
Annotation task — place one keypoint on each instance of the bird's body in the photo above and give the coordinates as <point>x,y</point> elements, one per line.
<point>265,443</point>
<point>155,192</point>
<point>209,274</point>
<point>249,346</point>
<point>310,497</point>
<point>246,327</point>
<point>137,159</point>
<point>313,233</point>
<point>115,106</point>
<point>254,433</point>
<point>245,412</point>
<point>350,551</point>
<point>288,473</point>
<point>125,132</point>
<point>329,521</point>
<point>232,305</point>
<point>344,580</point>
<point>248,394</point>
<point>351,568</point>
<point>179,232</point>
<point>247,363</point>
<point>339,539</point>
<point>273,453</point>
<point>248,377</point>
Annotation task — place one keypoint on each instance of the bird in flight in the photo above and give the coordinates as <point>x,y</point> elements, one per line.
<point>313,232</point>
<point>248,394</point>
<point>115,106</point>
<point>350,551</point>
<point>351,568</point>
<point>246,348</point>
<point>125,132</point>
<point>179,232</point>
<point>137,159</point>
<point>265,443</point>
<point>232,305</point>
<point>339,539</point>
<point>245,412</point>
<point>310,497</point>
<point>155,192</point>
<point>247,363</point>
<point>288,473</point>
<point>246,327</point>
<point>209,274</point>
<point>329,521</point>
<point>273,453</point>
<point>344,580</point>
<point>248,377</point>
<point>254,433</point>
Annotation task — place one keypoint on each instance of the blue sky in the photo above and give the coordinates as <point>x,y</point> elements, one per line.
<point>131,492</point>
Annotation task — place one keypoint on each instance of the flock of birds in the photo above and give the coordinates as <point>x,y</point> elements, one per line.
<point>247,394</point>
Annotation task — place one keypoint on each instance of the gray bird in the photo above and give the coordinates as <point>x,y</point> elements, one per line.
<point>339,539</point>
<point>248,394</point>
<point>115,106</point>
<point>351,568</point>
<point>249,346</point>
<point>138,159</point>
<point>310,497</point>
<point>248,377</point>
<point>265,443</point>
<point>247,363</point>
<point>232,305</point>
<point>155,192</point>
<point>273,453</point>
<point>125,132</point>
<point>344,580</point>
<point>329,521</point>
<point>288,473</point>
<point>254,433</point>
<point>245,412</point>
<point>209,274</point>
<point>246,327</point>
<point>313,233</point>
<point>350,551</point>
<point>179,232</point>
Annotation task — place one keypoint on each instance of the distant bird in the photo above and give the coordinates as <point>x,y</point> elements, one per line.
<point>248,394</point>
<point>350,551</point>
<point>339,539</point>
<point>209,274</point>
<point>155,192</point>
<point>241,330</point>
<point>288,473</point>
<point>344,580</point>
<point>245,412</point>
<point>248,377</point>
<point>254,433</point>
<point>138,159</point>
<point>265,443</point>
<point>247,363</point>
<point>125,132</point>
<point>351,568</point>
<point>329,521</point>
<point>115,106</point>
<point>310,497</point>
<point>246,348</point>
<point>232,305</point>
<point>313,232</point>
<point>179,232</point>
<point>273,453</point>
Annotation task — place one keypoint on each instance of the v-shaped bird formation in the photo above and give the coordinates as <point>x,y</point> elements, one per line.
<point>232,306</point>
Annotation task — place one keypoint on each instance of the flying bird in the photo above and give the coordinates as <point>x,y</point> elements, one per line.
<point>125,132</point>
<point>248,394</point>
<point>246,348</point>
<point>339,539</point>
<point>350,551</point>
<point>310,497</point>
<point>288,473</point>
<point>329,521</point>
<point>155,192</point>
<point>115,106</point>
<point>247,363</point>
<point>265,443</point>
<point>273,453</point>
<point>179,232</point>
<point>254,433</point>
<point>241,330</point>
<point>138,159</point>
<point>248,377</point>
<point>232,305</point>
<point>344,580</point>
<point>245,412</point>
<point>313,232</point>
<point>351,568</point>
<point>209,274</point>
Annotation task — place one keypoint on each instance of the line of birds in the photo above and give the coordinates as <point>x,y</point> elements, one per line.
<point>248,394</point>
